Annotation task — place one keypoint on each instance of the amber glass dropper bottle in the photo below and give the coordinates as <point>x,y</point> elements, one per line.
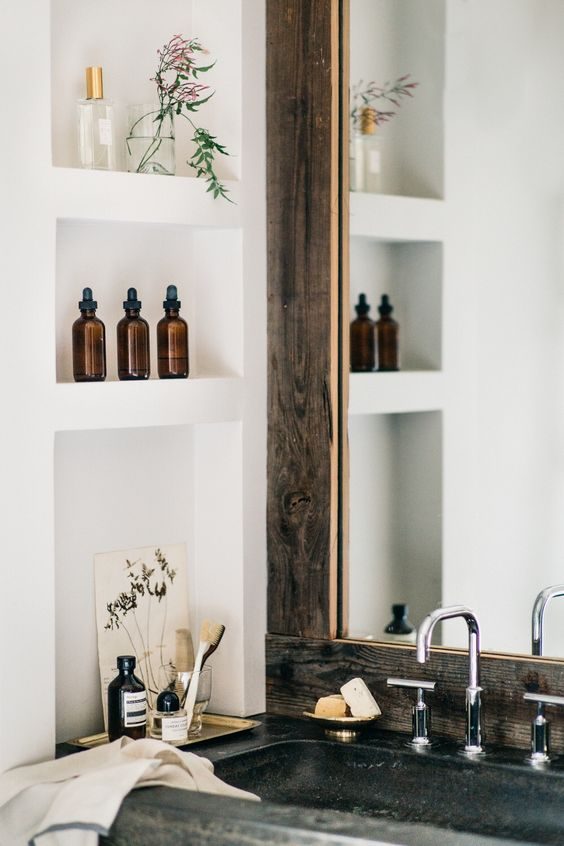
<point>387,333</point>
<point>133,341</point>
<point>172,339</point>
<point>88,342</point>
<point>362,338</point>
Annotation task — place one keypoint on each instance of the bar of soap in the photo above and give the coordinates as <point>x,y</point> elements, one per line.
<point>332,706</point>
<point>359,699</point>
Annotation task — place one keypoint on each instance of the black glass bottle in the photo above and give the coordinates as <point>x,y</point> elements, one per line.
<point>400,628</point>
<point>387,335</point>
<point>362,338</point>
<point>133,341</point>
<point>88,342</point>
<point>172,339</point>
<point>127,702</point>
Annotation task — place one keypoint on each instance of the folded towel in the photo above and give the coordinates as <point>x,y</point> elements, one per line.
<point>70,801</point>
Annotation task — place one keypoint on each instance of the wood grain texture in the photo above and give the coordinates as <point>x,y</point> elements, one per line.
<point>300,671</point>
<point>303,276</point>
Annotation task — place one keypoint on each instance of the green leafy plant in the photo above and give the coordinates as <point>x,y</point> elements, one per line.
<point>181,94</point>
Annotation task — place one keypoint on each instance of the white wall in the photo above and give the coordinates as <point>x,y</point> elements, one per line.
<point>504,327</point>
<point>199,476</point>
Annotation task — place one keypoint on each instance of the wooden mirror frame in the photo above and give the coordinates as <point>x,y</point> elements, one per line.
<point>308,238</point>
<point>305,233</point>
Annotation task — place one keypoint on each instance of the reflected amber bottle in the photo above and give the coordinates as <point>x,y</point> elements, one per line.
<point>172,339</point>
<point>88,342</point>
<point>387,334</point>
<point>362,338</point>
<point>133,341</point>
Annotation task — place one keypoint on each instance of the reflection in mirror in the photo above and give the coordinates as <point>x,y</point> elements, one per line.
<point>456,462</point>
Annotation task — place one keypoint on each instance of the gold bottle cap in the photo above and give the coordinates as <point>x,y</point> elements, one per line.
<point>368,121</point>
<point>94,84</point>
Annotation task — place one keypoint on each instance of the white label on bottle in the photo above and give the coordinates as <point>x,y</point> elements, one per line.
<point>175,728</point>
<point>105,132</point>
<point>374,161</point>
<point>134,708</point>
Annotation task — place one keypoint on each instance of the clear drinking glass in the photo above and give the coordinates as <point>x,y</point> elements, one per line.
<point>202,697</point>
<point>149,146</point>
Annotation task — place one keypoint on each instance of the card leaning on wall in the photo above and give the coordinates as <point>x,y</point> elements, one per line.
<point>141,601</point>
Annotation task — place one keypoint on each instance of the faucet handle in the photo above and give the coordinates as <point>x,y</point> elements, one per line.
<point>540,726</point>
<point>420,711</point>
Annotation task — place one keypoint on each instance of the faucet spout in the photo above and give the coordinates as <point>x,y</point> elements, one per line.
<point>539,608</point>
<point>474,738</point>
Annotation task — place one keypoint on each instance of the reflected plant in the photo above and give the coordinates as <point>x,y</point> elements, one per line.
<point>131,611</point>
<point>367,94</point>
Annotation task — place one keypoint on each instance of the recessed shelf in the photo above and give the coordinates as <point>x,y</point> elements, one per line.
<point>411,274</point>
<point>156,402</point>
<point>141,198</point>
<point>384,217</point>
<point>395,517</point>
<point>110,257</point>
<point>390,393</point>
<point>389,40</point>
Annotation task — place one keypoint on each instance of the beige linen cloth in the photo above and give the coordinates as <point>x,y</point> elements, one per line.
<point>70,801</point>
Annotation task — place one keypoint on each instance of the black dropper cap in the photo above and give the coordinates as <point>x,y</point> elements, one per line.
<point>385,308</point>
<point>362,306</point>
<point>87,303</point>
<point>172,300</point>
<point>132,301</point>
<point>126,662</point>
<point>168,701</point>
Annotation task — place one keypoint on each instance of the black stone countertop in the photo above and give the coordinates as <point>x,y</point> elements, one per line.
<point>159,816</point>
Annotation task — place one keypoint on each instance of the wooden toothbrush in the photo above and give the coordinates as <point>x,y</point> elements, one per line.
<point>210,635</point>
<point>184,661</point>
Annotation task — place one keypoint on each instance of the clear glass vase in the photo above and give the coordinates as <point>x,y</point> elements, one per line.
<point>149,145</point>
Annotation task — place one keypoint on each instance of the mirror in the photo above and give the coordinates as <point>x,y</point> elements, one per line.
<point>457,460</point>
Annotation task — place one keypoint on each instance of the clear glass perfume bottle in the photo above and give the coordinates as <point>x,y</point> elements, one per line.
<point>169,722</point>
<point>96,129</point>
<point>365,155</point>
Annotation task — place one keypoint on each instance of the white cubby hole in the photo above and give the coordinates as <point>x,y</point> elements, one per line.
<point>89,468</point>
<point>397,247</point>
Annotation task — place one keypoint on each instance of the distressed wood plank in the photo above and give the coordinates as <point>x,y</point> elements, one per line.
<point>303,275</point>
<point>300,671</point>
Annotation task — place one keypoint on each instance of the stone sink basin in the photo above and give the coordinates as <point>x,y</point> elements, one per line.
<point>494,796</point>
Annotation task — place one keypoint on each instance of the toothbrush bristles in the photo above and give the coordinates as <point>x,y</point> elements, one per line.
<point>211,632</point>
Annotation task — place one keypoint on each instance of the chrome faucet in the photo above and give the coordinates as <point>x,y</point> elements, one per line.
<point>539,608</point>
<point>474,738</point>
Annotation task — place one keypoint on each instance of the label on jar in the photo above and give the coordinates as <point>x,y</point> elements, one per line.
<point>105,132</point>
<point>134,708</point>
<point>374,162</point>
<point>175,728</point>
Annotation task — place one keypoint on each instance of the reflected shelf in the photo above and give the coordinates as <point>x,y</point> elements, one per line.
<point>142,198</point>
<point>386,217</point>
<point>396,393</point>
<point>156,402</point>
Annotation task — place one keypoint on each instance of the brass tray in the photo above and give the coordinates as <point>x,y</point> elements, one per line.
<point>213,725</point>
